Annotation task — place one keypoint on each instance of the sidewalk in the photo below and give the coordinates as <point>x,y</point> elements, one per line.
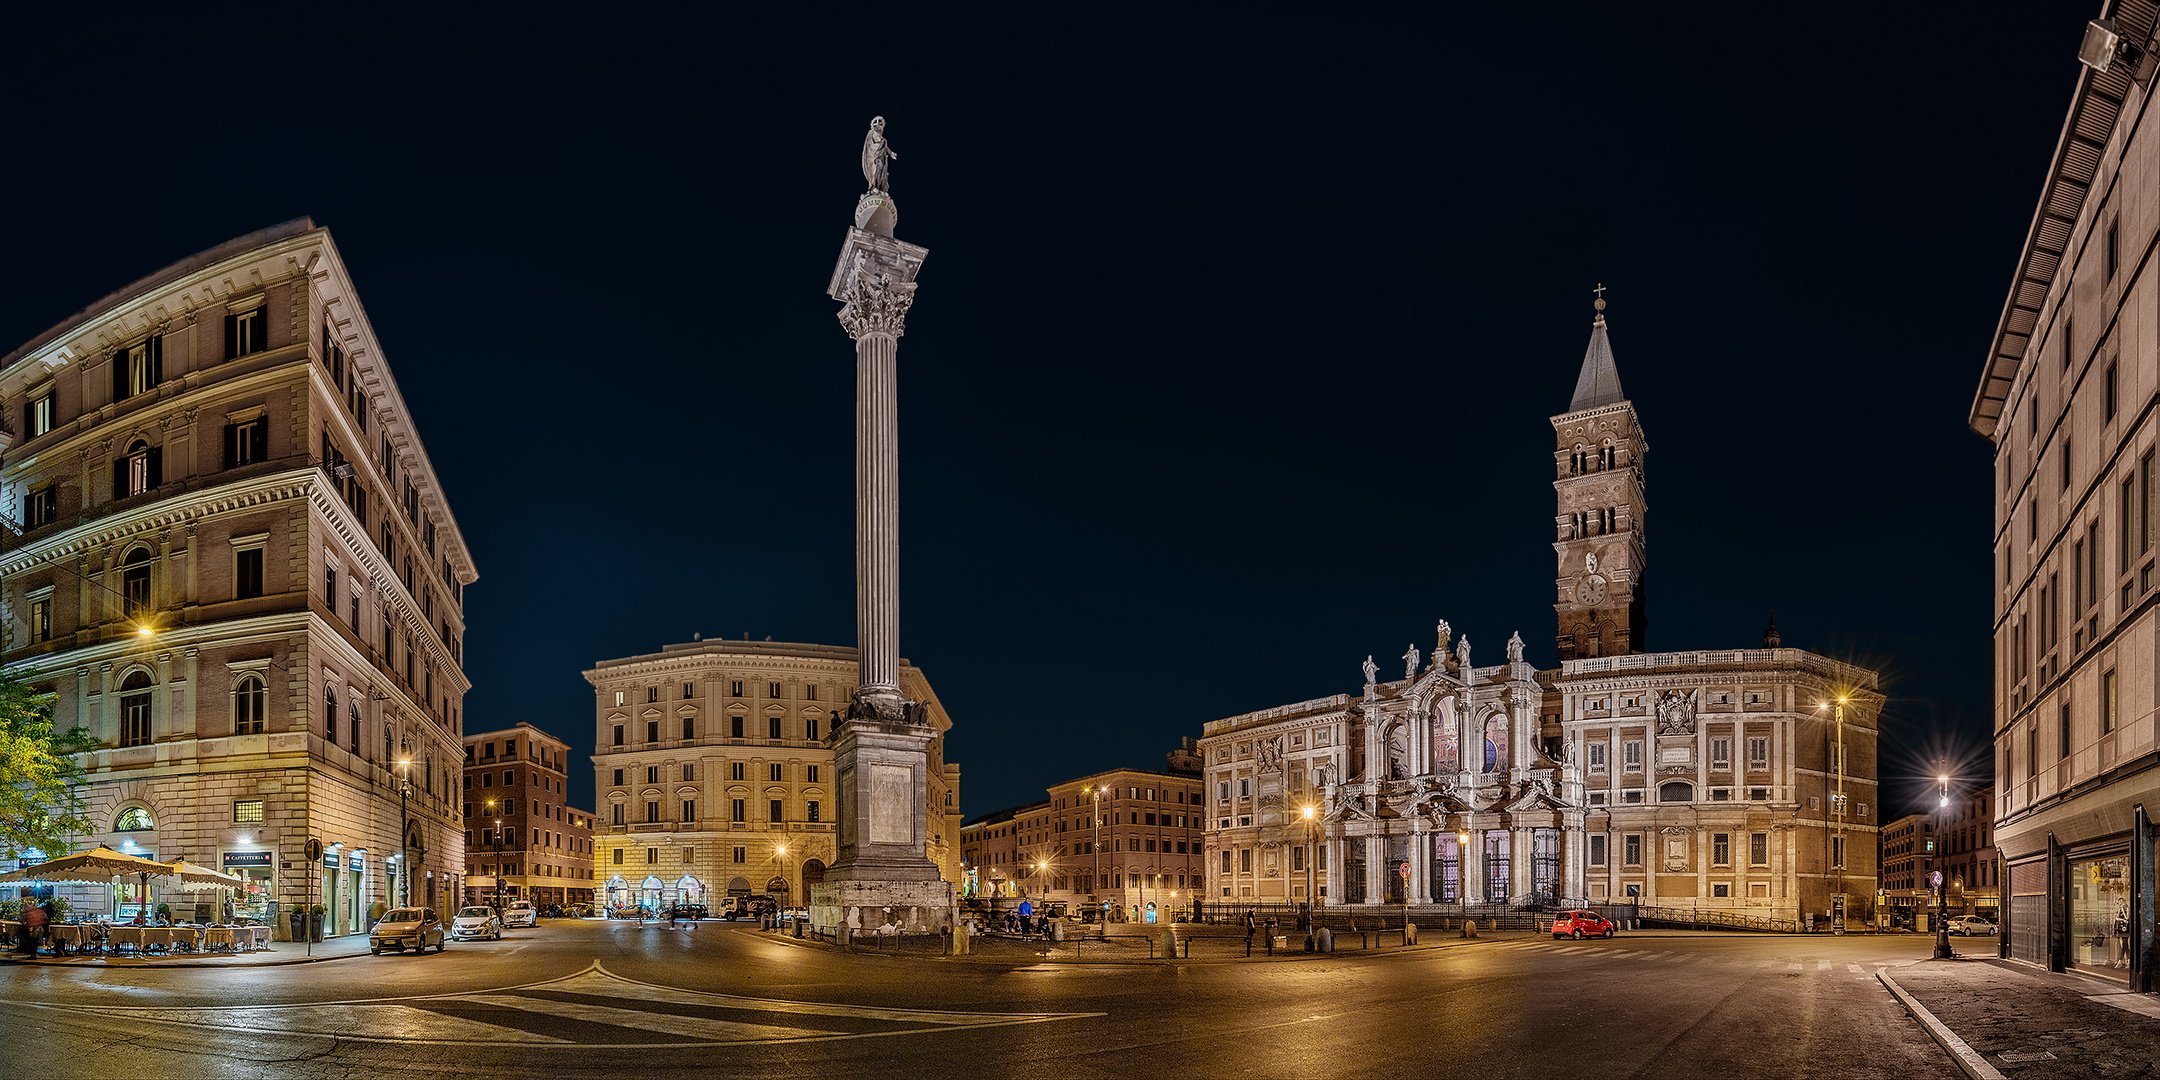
<point>2021,1021</point>
<point>279,953</point>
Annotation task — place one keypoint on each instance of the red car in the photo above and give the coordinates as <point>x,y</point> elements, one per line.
<point>1581,924</point>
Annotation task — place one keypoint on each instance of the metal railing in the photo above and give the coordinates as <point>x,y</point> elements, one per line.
<point>1715,918</point>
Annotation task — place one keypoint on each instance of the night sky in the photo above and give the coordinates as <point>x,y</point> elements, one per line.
<point>1232,360</point>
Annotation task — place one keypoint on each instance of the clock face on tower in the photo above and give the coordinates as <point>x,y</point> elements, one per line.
<point>1591,591</point>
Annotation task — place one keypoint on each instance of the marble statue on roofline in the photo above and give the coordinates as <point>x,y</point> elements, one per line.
<point>877,156</point>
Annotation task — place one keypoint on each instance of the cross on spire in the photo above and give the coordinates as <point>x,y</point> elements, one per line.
<point>1600,291</point>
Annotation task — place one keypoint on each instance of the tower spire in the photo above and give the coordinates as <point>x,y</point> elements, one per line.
<point>1599,383</point>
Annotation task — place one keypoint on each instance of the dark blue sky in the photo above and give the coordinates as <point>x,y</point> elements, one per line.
<point>1232,359</point>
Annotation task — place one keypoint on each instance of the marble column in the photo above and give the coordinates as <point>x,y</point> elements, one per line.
<point>882,876</point>
<point>1471,867</point>
<point>1376,869</point>
<point>1421,844</point>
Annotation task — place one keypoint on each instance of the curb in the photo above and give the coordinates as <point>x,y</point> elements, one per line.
<point>1968,1059</point>
<point>1288,957</point>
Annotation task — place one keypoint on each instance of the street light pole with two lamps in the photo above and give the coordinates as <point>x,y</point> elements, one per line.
<point>1942,905</point>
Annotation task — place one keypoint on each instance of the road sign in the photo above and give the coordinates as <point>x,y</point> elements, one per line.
<point>1404,870</point>
<point>1935,879</point>
<point>313,849</point>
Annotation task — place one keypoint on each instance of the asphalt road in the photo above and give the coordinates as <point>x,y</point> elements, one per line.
<point>577,999</point>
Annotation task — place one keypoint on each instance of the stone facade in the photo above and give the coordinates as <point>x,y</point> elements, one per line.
<point>2066,397</point>
<point>696,744</point>
<point>523,831</point>
<point>1740,781</point>
<point>232,563</point>
<point>1126,839</point>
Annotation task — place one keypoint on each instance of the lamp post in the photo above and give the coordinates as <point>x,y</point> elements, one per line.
<point>1095,845</point>
<point>498,861</point>
<point>1837,814</point>
<point>404,850</point>
<point>1312,853</point>
<point>1942,914</point>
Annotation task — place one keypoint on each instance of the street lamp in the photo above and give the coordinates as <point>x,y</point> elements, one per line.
<point>404,850</point>
<point>1311,853</point>
<point>1095,883</point>
<point>1942,912</point>
<point>498,858</point>
<point>1837,821</point>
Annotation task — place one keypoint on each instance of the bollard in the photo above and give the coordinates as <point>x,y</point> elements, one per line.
<point>1326,940</point>
<point>1469,928</point>
<point>960,939</point>
<point>1057,931</point>
<point>1409,934</point>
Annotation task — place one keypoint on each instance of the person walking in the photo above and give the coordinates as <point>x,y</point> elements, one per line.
<point>33,923</point>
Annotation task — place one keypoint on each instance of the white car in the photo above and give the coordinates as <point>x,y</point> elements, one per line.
<point>479,921</point>
<point>1972,924</point>
<point>521,913</point>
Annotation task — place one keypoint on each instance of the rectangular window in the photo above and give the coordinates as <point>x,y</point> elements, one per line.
<point>247,810</point>
<point>1631,755</point>
<point>618,699</point>
<point>735,727</point>
<point>814,810</point>
<point>1758,849</point>
<point>247,442</point>
<point>652,855</point>
<point>1244,860</point>
<point>1837,853</point>
<point>741,855</point>
<point>779,811</point>
<point>245,333</point>
<point>1721,754</point>
<point>2062,734</point>
<point>2114,248</point>
<point>1597,849</point>
<point>689,728</point>
<point>41,506</point>
<point>618,777</point>
<point>772,727</point>
<point>38,416</point>
<point>775,688</point>
<point>810,729</point>
<point>810,774</point>
<point>652,731</point>
<point>735,810</point>
<point>618,740</point>
<point>41,619</point>
<point>2066,465</point>
<point>652,812</point>
<point>1631,850</point>
<point>1597,757</point>
<point>618,853</point>
<point>2107,702</point>
<point>689,810</point>
<point>652,774</point>
<point>689,773</point>
<point>1721,849</point>
<point>2111,391</point>
<point>735,688</point>
<point>1758,753</point>
<point>735,770</point>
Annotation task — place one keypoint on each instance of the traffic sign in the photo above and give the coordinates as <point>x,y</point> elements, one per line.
<point>1935,879</point>
<point>313,849</point>
<point>1404,870</point>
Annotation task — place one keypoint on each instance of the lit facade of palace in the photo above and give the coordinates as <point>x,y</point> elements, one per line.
<point>714,768</point>
<point>522,834</point>
<point>234,565</point>
<point>1738,781</point>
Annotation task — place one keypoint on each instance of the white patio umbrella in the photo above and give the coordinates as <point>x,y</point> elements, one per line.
<point>193,878</point>
<point>99,864</point>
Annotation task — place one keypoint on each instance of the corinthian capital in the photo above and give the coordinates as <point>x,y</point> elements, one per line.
<point>878,304</point>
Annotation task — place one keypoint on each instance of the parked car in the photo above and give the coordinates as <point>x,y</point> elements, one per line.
<point>407,928</point>
<point>520,913</point>
<point>1972,924</point>
<point>1581,924</point>
<point>478,921</point>
<point>748,907</point>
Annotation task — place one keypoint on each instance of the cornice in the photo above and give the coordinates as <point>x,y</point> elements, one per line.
<point>163,514</point>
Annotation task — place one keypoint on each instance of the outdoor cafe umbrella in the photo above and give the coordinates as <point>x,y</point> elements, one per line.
<point>99,864</point>
<point>194,878</point>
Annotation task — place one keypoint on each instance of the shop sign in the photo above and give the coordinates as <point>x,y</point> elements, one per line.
<point>249,858</point>
<point>330,860</point>
<point>356,861</point>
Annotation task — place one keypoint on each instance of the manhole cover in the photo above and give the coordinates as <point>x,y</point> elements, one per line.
<point>2020,1056</point>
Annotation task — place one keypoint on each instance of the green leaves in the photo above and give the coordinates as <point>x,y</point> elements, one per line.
<point>40,775</point>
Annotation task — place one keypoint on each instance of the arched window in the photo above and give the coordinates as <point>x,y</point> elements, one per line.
<point>135,710</point>
<point>134,819</point>
<point>251,704</point>
<point>1492,755</point>
<point>135,583</point>
<point>330,713</point>
<point>1676,791</point>
<point>138,471</point>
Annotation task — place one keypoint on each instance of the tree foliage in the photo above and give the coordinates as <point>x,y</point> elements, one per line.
<point>40,777</point>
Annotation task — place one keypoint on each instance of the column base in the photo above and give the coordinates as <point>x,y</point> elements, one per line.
<point>862,906</point>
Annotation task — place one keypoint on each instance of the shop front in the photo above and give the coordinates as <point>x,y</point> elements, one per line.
<point>255,901</point>
<point>2099,901</point>
<point>343,891</point>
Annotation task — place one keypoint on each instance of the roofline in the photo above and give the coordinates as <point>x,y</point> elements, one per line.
<point>150,282</point>
<point>2019,323</point>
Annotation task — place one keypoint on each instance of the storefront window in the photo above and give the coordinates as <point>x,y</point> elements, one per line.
<point>2100,914</point>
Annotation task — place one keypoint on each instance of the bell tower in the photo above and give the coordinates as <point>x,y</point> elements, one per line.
<point>1598,483</point>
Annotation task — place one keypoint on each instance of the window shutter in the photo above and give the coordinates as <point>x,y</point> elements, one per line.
<point>232,445</point>
<point>27,520</point>
<point>232,336</point>
<point>156,465</point>
<point>156,348</point>
<point>29,413</point>
<point>119,375</point>
<point>119,479</point>
<point>259,442</point>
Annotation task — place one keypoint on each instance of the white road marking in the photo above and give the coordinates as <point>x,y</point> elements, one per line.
<point>697,1027</point>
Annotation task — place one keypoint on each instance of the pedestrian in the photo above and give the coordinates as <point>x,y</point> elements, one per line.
<point>1252,926</point>
<point>671,916</point>
<point>33,923</point>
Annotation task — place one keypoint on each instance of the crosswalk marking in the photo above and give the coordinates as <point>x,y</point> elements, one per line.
<point>593,1008</point>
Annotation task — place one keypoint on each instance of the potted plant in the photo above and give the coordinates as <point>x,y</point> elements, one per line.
<point>10,910</point>
<point>315,921</point>
<point>299,922</point>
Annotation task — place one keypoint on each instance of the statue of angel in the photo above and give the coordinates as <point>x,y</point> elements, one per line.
<point>1409,660</point>
<point>877,154</point>
<point>1372,670</point>
<point>1514,648</point>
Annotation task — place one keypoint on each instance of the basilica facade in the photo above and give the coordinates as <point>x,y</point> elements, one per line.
<point>1737,784</point>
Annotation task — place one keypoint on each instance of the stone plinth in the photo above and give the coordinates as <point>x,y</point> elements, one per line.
<point>887,907</point>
